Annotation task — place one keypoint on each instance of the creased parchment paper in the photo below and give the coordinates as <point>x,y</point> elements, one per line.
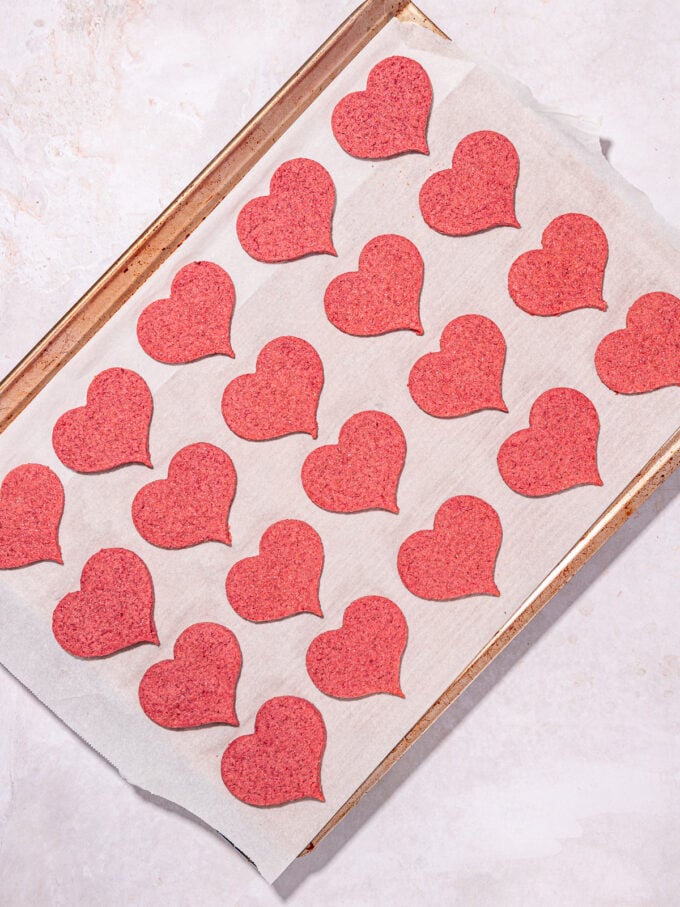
<point>98,698</point>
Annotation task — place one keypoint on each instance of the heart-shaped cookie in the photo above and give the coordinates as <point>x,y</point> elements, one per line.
<point>567,273</point>
<point>383,295</point>
<point>31,505</point>
<point>364,656</point>
<point>112,610</point>
<point>466,376</point>
<point>195,321</point>
<point>390,116</point>
<point>197,686</point>
<point>559,449</point>
<point>478,191</point>
<point>645,355</point>
<point>281,761</point>
<point>282,395</point>
<point>283,579</point>
<point>294,219</point>
<point>190,506</point>
<point>361,471</point>
<point>457,557</point>
<point>112,429</point>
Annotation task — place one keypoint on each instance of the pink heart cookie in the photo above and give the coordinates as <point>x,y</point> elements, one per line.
<point>364,656</point>
<point>559,449</point>
<point>112,429</point>
<point>645,355</point>
<point>31,505</point>
<point>281,761</point>
<point>457,557</point>
<point>567,273</point>
<point>112,610</point>
<point>280,397</point>
<point>478,191</point>
<point>197,686</point>
<point>195,321</point>
<point>294,219</point>
<point>383,295</point>
<point>190,506</point>
<point>466,375</point>
<point>283,579</point>
<point>361,471</point>
<point>390,116</point>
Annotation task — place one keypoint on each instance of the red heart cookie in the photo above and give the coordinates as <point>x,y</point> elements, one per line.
<point>383,295</point>
<point>391,116</point>
<point>112,429</point>
<point>190,506</point>
<point>457,558</point>
<point>294,219</point>
<point>113,609</point>
<point>559,449</point>
<point>567,273</point>
<point>195,321</point>
<point>364,656</point>
<point>646,354</point>
<point>478,191</point>
<point>361,471</point>
<point>281,761</point>
<point>282,395</point>
<point>466,376</point>
<point>283,579</point>
<point>31,505</point>
<point>198,686</point>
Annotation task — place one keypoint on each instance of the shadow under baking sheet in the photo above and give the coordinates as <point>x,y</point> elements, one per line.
<point>370,804</point>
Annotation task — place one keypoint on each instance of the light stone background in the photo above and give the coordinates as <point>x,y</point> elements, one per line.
<point>554,779</point>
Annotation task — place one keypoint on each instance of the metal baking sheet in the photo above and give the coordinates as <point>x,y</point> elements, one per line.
<point>142,274</point>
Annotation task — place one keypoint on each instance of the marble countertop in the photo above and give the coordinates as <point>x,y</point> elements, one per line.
<point>555,778</point>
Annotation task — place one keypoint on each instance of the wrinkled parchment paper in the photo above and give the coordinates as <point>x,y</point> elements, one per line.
<point>98,698</point>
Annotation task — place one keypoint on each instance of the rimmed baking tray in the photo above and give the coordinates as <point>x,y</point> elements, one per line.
<point>177,223</point>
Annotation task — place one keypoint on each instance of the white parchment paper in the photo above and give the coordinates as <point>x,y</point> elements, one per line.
<point>98,698</point>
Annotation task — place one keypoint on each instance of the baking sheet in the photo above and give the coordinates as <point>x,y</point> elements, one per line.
<point>467,275</point>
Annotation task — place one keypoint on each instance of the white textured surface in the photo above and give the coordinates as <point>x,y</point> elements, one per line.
<point>567,788</point>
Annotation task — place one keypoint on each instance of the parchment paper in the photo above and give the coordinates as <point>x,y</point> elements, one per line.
<point>98,698</point>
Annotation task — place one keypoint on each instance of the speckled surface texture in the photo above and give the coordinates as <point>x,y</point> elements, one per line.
<point>112,610</point>
<point>280,397</point>
<point>197,686</point>
<point>361,471</point>
<point>566,792</point>
<point>280,762</point>
<point>111,429</point>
